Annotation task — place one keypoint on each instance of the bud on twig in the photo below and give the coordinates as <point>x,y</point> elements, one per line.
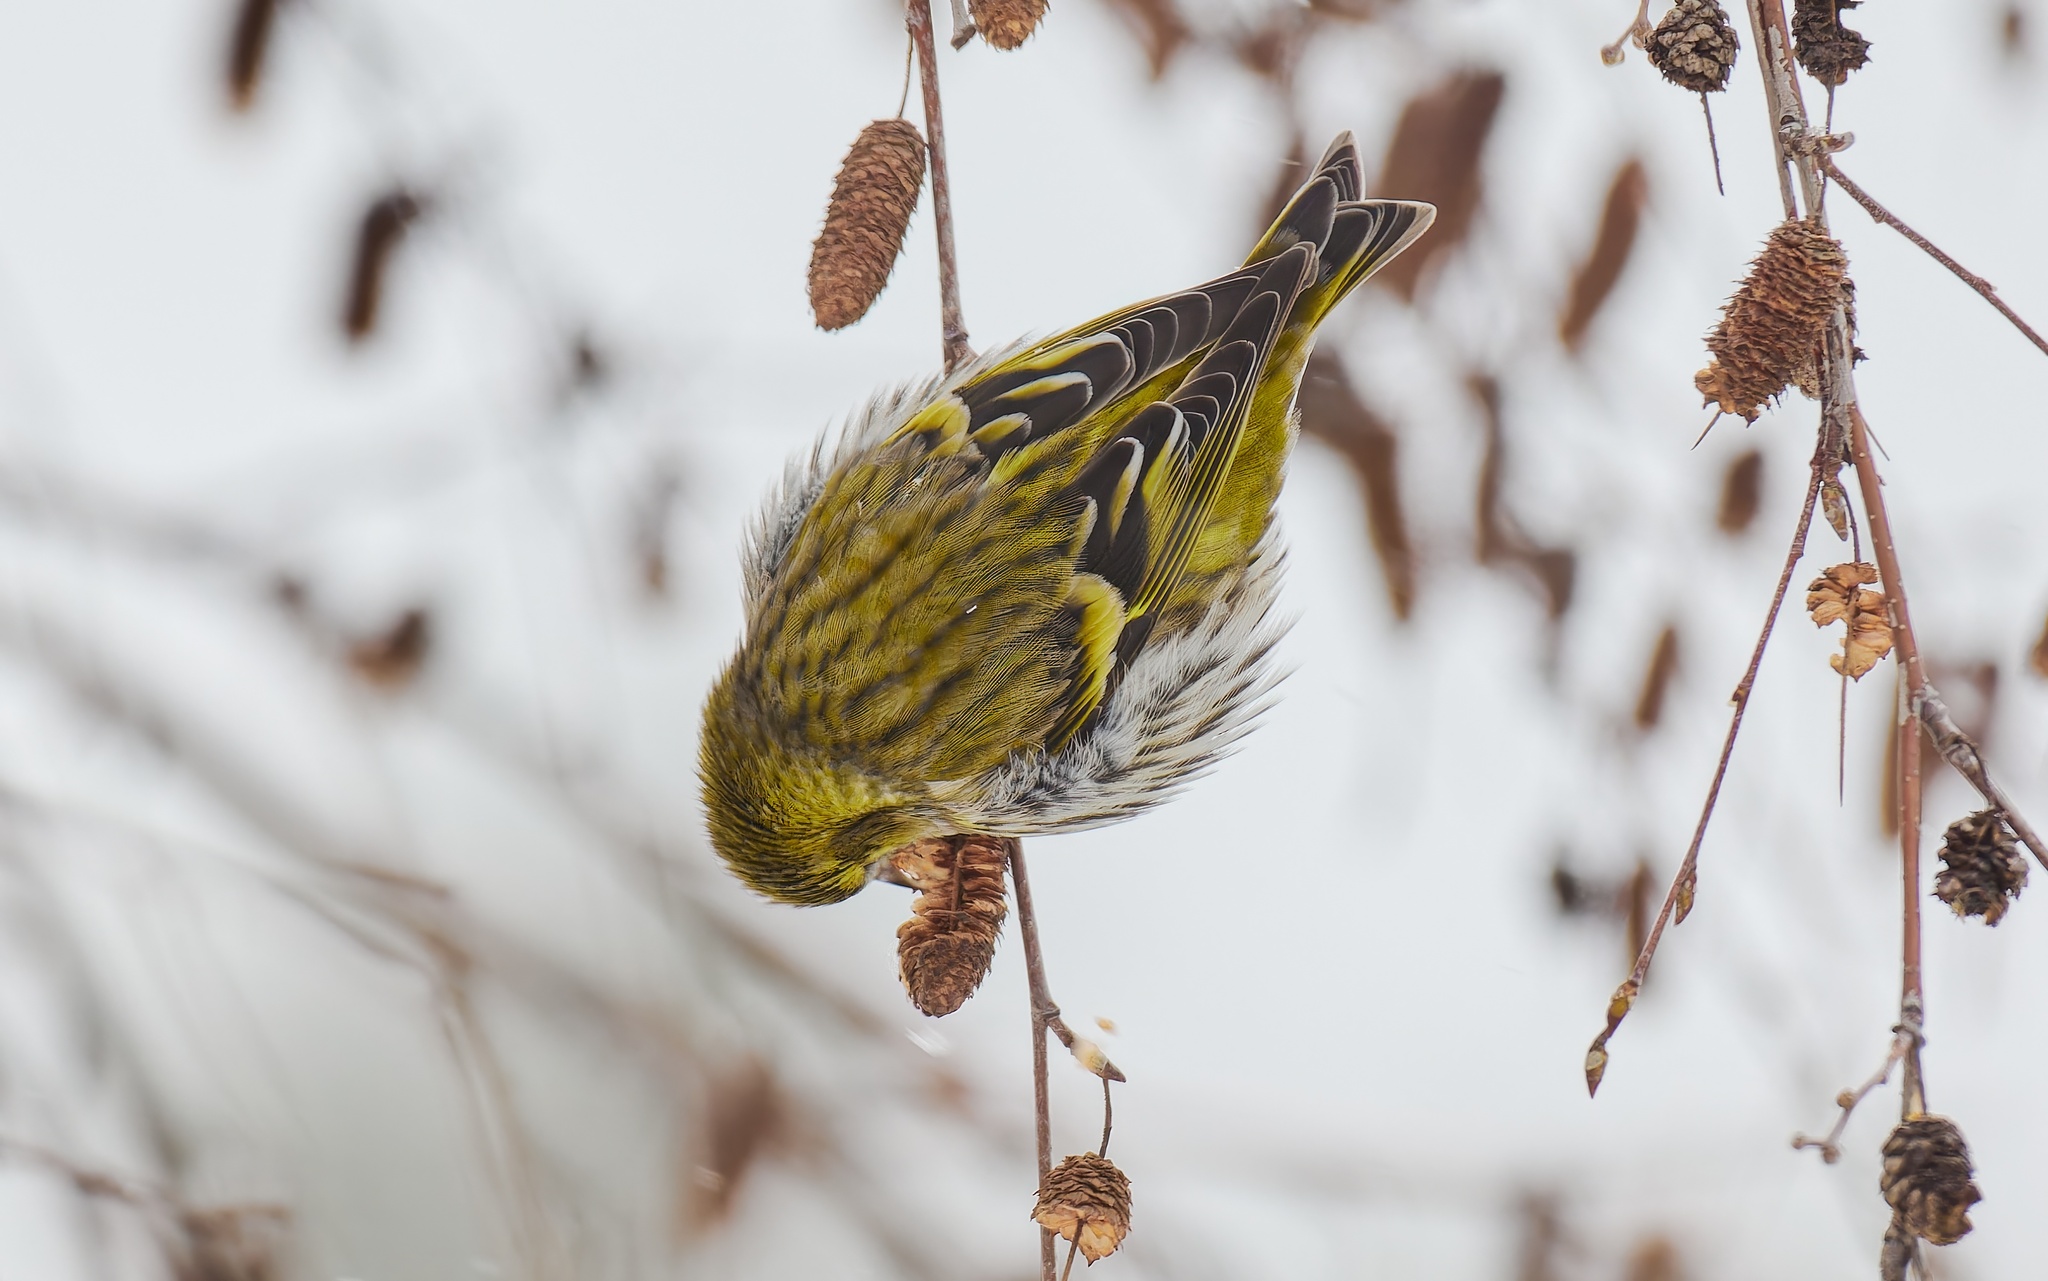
<point>1087,1200</point>
<point>1770,328</point>
<point>872,200</point>
<point>945,949</point>
<point>1006,23</point>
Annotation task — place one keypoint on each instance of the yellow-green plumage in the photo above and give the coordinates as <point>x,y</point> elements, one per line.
<point>1030,597</point>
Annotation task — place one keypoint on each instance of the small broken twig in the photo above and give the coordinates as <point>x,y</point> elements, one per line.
<point>1905,1036</point>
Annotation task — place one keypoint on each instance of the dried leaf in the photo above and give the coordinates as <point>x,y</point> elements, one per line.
<point>233,1243</point>
<point>865,222</point>
<point>1434,156</point>
<point>1741,493</point>
<point>1654,1259</point>
<point>1663,664</point>
<point>1271,49</point>
<point>1333,412</point>
<point>393,657</point>
<point>383,226</point>
<point>1555,569</point>
<point>1839,595</point>
<point>247,45</point>
<point>1160,28</point>
<point>2037,657</point>
<point>1597,276</point>
<point>741,1114</point>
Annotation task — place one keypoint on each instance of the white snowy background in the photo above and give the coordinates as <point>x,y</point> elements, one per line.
<point>441,970</point>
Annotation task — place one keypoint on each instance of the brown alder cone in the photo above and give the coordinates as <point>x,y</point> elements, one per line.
<point>1086,1199</point>
<point>872,200</point>
<point>945,949</point>
<point>1926,1179</point>
<point>1694,47</point>
<point>1768,330</point>
<point>1841,594</point>
<point>1828,50</point>
<point>1006,23</point>
<point>1982,870</point>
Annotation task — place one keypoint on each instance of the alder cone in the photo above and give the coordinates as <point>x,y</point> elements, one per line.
<point>872,200</point>
<point>1087,1200</point>
<point>1828,50</point>
<point>1694,46</point>
<point>1926,1179</point>
<point>1769,329</point>
<point>946,947</point>
<point>1006,23</point>
<point>1982,869</point>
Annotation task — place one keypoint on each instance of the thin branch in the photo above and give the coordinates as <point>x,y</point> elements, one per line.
<point>1678,899</point>
<point>952,329</point>
<point>1043,1011</point>
<point>1881,214</point>
<point>1045,1017</point>
<point>1904,1037</point>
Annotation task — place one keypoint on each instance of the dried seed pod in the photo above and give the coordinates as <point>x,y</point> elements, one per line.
<point>1982,869</point>
<point>1694,46</point>
<point>1828,50</point>
<point>1840,595</point>
<point>1927,1178</point>
<point>1769,329</point>
<point>1006,23</point>
<point>1087,1200</point>
<point>945,949</point>
<point>872,200</point>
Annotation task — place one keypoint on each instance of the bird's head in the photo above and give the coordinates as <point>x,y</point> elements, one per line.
<point>794,825</point>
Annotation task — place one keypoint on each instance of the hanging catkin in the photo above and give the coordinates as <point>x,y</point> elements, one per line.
<point>872,200</point>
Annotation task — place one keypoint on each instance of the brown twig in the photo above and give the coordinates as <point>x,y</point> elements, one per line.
<point>1678,899</point>
<point>1881,214</point>
<point>1045,1017</point>
<point>1904,1037</point>
<point>952,329</point>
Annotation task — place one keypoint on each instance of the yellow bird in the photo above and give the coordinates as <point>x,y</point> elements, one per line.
<point>1034,595</point>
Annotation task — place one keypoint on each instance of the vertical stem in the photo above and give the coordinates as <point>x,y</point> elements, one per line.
<point>1758,27</point>
<point>1913,677</point>
<point>952,328</point>
<point>1043,1011</point>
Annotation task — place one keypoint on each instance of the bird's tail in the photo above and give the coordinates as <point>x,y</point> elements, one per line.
<point>1353,237</point>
